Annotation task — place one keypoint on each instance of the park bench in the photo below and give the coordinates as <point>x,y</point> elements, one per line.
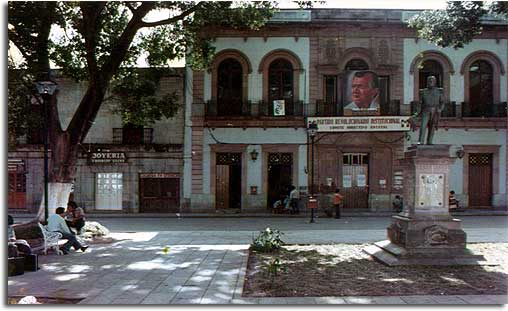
<point>50,240</point>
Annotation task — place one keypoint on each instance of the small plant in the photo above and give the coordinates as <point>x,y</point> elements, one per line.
<point>273,269</point>
<point>267,241</point>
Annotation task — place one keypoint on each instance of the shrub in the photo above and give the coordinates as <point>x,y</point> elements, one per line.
<point>268,241</point>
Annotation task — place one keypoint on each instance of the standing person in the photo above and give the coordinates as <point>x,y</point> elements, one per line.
<point>453,203</point>
<point>56,223</point>
<point>75,216</point>
<point>337,202</point>
<point>432,103</point>
<point>294,196</point>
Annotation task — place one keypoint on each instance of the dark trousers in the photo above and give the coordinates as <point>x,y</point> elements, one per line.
<point>337,211</point>
<point>294,205</point>
<point>71,241</point>
<point>78,224</point>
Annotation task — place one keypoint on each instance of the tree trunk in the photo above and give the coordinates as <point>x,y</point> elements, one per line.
<point>62,168</point>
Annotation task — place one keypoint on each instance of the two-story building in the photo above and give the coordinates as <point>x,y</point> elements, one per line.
<point>247,138</point>
<point>120,168</point>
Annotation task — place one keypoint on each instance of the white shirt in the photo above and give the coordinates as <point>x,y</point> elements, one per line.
<point>294,194</point>
<point>353,106</point>
<point>57,223</point>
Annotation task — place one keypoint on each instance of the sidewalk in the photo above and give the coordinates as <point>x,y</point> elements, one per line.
<point>207,260</point>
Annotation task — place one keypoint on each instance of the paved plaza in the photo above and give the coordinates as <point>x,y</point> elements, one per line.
<point>203,261</point>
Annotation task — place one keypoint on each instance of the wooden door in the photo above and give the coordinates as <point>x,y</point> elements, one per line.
<point>17,190</point>
<point>355,179</point>
<point>480,179</point>
<point>222,184</point>
<point>228,180</point>
<point>159,195</point>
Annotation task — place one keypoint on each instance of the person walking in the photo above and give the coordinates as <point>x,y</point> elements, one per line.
<point>337,202</point>
<point>294,196</point>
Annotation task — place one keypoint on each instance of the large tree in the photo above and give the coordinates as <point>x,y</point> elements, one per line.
<point>100,42</point>
<point>458,23</point>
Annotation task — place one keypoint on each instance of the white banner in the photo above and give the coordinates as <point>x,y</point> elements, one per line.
<point>360,124</point>
<point>278,108</point>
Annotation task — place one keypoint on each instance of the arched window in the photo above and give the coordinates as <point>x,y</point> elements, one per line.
<point>428,68</point>
<point>229,87</point>
<point>280,81</point>
<point>480,87</point>
<point>356,64</point>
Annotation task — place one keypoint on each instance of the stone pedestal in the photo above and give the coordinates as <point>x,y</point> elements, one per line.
<point>425,233</point>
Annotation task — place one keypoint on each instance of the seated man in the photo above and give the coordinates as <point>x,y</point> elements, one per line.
<point>75,216</point>
<point>22,246</point>
<point>56,223</point>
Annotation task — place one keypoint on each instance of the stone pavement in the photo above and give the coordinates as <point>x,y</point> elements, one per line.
<point>206,261</point>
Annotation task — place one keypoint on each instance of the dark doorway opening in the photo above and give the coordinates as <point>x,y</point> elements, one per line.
<point>280,168</point>
<point>228,194</point>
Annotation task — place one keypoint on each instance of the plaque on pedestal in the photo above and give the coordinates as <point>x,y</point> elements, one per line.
<point>425,233</point>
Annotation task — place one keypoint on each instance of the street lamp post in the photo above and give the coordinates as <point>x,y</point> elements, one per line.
<point>312,131</point>
<point>46,89</point>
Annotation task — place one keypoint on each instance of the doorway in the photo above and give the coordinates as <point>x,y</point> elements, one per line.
<point>228,193</point>
<point>280,170</point>
<point>355,180</point>
<point>480,180</point>
<point>159,194</point>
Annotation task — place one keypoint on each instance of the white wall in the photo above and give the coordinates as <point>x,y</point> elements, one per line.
<point>254,137</point>
<point>459,137</point>
<point>255,49</point>
<point>457,57</point>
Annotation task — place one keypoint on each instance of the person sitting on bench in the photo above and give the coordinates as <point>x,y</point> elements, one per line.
<point>75,216</point>
<point>21,245</point>
<point>56,223</point>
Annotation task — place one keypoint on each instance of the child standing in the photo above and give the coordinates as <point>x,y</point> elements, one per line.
<point>337,202</point>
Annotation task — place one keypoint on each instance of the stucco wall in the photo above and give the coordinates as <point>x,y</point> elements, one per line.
<point>255,49</point>
<point>457,57</point>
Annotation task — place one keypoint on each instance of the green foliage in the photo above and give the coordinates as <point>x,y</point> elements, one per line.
<point>137,99</point>
<point>273,270</point>
<point>268,240</point>
<point>21,93</point>
<point>458,24</point>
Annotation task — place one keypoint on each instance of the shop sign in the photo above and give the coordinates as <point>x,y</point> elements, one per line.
<point>107,157</point>
<point>159,175</point>
<point>361,124</point>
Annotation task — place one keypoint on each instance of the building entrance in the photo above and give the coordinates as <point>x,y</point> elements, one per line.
<point>228,193</point>
<point>480,180</point>
<point>280,168</point>
<point>17,185</point>
<point>355,179</point>
<point>159,193</point>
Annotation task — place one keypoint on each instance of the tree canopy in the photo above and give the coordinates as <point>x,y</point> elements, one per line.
<point>458,23</point>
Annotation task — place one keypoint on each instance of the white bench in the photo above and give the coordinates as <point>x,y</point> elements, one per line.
<point>51,240</point>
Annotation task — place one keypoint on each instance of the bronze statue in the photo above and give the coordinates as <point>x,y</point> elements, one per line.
<point>432,103</point>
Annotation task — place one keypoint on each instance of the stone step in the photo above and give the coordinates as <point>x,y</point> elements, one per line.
<point>386,253</point>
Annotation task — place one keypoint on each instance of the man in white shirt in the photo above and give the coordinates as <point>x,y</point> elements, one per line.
<point>56,223</point>
<point>364,91</point>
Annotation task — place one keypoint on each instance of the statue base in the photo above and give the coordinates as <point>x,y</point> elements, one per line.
<point>425,233</point>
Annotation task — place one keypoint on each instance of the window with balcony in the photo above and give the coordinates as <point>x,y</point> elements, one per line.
<point>280,84</point>
<point>229,88</point>
<point>132,135</point>
<point>480,88</point>
<point>430,68</point>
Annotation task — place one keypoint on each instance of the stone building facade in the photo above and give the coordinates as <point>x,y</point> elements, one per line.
<point>119,169</point>
<point>245,153</point>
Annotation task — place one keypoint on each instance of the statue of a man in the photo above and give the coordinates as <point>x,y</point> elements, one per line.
<point>432,103</point>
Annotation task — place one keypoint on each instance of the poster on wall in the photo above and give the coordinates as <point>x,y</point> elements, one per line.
<point>346,181</point>
<point>361,180</point>
<point>362,94</point>
<point>278,108</point>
